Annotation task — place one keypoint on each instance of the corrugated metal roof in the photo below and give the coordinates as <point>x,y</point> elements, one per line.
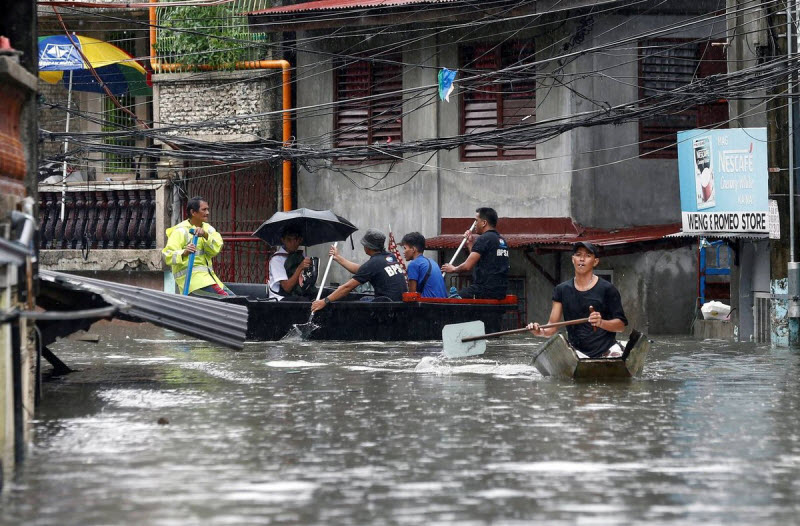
<point>562,240</point>
<point>210,320</point>
<point>329,5</point>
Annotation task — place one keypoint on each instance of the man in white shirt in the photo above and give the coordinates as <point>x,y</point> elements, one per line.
<point>281,283</point>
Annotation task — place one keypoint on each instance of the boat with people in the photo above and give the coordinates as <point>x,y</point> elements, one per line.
<point>557,358</point>
<point>353,318</point>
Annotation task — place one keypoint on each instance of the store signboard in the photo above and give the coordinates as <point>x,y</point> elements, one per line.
<point>723,180</point>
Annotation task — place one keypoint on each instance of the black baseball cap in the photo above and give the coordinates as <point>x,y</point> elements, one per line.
<point>585,244</point>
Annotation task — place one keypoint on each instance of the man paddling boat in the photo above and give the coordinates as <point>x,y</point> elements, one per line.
<point>586,295</point>
<point>488,259</point>
<point>382,270</point>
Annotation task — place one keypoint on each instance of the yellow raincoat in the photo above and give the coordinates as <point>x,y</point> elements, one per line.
<point>203,275</point>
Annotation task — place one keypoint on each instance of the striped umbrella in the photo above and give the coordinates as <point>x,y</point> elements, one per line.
<point>117,69</point>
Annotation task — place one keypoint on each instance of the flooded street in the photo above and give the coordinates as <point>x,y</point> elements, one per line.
<point>378,433</point>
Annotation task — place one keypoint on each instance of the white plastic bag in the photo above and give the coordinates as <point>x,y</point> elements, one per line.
<point>715,310</point>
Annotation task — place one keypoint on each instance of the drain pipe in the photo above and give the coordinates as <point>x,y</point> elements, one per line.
<point>793,267</point>
<point>284,65</point>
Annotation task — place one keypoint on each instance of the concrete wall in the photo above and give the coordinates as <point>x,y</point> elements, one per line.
<point>195,98</point>
<point>651,193</point>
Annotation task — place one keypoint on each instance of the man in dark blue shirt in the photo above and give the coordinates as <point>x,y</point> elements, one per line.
<point>587,296</point>
<point>488,259</point>
<point>382,270</point>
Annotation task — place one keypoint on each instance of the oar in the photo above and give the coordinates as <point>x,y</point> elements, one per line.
<point>191,264</point>
<point>304,329</point>
<point>463,241</point>
<point>468,339</point>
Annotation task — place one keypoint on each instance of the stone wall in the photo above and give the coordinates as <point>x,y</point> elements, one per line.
<point>224,99</point>
<point>52,119</point>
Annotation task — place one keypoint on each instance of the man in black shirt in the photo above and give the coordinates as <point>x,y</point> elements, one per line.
<point>587,296</point>
<point>488,259</point>
<point>382,270</point>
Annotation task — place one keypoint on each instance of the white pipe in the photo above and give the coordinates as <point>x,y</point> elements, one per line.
<point>461,245</point>
<point>66,140</point>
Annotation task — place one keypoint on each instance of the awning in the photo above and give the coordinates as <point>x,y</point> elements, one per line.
<point>552,233</point>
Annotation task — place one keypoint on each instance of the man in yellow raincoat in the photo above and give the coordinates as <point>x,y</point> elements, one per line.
<point>209,243</point>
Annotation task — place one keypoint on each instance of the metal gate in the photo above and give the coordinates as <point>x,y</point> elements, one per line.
<point>241,197</point>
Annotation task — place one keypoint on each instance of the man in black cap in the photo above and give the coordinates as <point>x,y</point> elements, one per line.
<point>382,270</point>
<point>587,296</point>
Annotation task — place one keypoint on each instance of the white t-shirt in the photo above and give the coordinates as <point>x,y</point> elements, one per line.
<point>277,273</point>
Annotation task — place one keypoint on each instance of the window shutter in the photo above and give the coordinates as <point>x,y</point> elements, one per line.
<point>666,65</point>
<point>386,121</point>
<point>497,100</point>
<point>352,116</point>
<point>370,109</point>
<point>519,95</point>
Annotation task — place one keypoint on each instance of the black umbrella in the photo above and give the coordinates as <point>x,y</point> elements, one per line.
<point>316,226</point>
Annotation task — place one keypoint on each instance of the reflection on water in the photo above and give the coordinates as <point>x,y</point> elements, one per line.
<point>298,432</point>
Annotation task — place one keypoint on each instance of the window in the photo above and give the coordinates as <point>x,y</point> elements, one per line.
<point>665,65</point>
<point>115,119</point>
<point>497,99</point>
<point>370,109</point>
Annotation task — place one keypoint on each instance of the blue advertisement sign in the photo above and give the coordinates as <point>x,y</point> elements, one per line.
<point>723,180</point>
<point>58,54</point>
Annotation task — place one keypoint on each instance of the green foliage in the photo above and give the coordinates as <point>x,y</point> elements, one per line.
<point>193,41</point>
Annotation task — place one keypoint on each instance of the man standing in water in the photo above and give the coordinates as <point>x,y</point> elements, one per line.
<point>382,270</point>
<point>584,296</point>
<point>204,281</point>
<point>488,259</point>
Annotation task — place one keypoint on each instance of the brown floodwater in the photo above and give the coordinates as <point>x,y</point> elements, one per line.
<point>159,429</point>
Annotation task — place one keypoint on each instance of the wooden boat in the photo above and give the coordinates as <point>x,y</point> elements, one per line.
<point>557,358</point>
<point>415,318</point>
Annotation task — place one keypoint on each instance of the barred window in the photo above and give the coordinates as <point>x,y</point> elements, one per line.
<point>116,119</point>
<point>666,65</point>
<point>497,99</point>
<point>370,109</point>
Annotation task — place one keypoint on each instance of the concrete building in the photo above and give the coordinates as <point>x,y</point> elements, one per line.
<point>601,178</point>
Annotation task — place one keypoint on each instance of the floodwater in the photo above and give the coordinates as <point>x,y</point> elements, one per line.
<point>378,433</point>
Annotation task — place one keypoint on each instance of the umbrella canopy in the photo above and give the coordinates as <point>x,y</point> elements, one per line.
<point>317,226</point>
<point>118,70</point>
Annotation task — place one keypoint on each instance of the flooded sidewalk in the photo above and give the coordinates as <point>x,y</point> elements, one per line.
<point>158,429</point>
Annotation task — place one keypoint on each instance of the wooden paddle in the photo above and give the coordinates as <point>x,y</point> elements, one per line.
<point>467,339</point>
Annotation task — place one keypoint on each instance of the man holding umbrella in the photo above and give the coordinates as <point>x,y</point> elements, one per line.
<point>382,270</point>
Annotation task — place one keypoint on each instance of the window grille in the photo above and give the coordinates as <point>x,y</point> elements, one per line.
<point>370,102</point>
<point>666,65</point>
<point>498,98</point>
<point>115,119</point>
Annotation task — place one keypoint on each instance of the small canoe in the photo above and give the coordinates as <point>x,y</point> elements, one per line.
<point>558,359</point>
